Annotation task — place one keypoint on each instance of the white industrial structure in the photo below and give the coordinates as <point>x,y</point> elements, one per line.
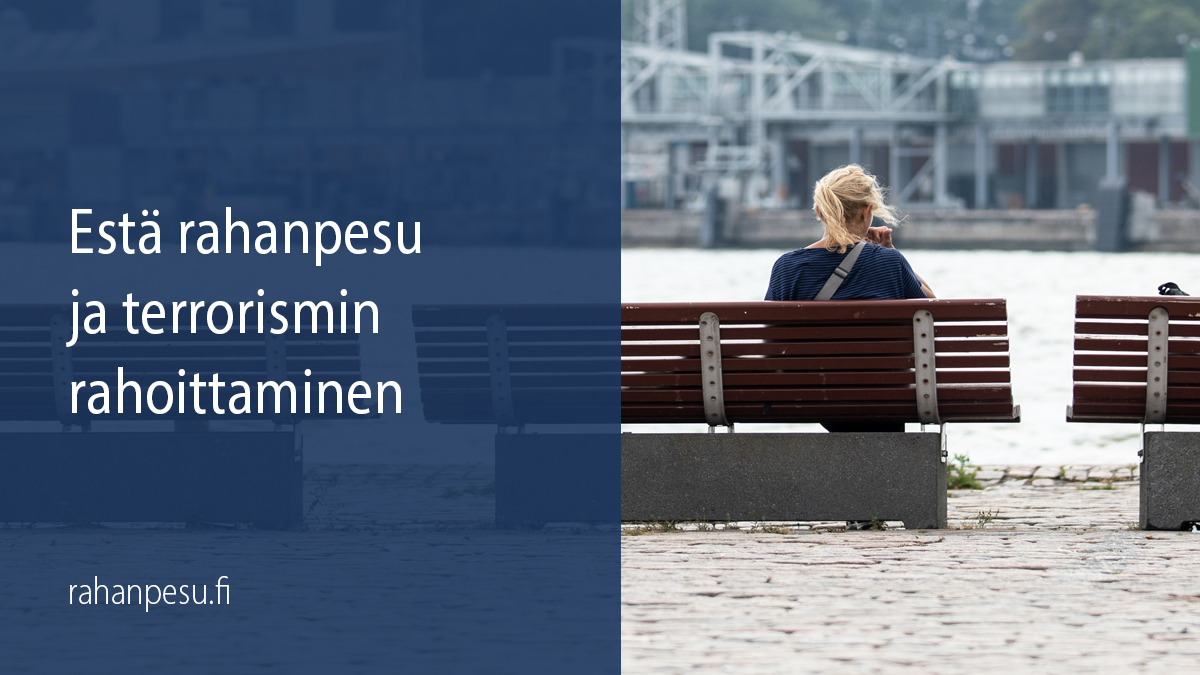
<point>760,116</point>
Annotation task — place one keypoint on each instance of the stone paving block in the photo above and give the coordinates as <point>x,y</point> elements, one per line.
<point>1020,471</point>
<point>1047,471</point>
<point>990,474</point>
<point>1076,474</point>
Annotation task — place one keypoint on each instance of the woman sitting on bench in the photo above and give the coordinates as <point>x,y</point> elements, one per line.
<point>853,261</point>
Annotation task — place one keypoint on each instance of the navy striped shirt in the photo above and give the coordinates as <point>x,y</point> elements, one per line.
<point>880,273</point>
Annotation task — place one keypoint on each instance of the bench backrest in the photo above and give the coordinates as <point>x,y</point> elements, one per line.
<point>36,368</point>
<point>511,365</point>
<point>816,362</point>
<point>1122,344</point>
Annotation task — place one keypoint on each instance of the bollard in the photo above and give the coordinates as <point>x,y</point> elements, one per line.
<point>714,219</point>
<point>1112,205</point>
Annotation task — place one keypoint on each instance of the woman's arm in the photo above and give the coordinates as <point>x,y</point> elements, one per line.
<point>882,236</point>
<point>924,286</point>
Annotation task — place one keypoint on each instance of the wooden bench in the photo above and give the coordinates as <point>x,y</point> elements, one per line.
<point>1137,360</point>
<point>518,365</point>
<point>189,475</point>
<point>895,361</point>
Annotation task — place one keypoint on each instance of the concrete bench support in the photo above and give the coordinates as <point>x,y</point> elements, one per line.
<point>556,478</point>
<point>1170,479</point>
<point>784,477</point>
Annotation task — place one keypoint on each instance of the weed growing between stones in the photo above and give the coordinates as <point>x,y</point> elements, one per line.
<point>985,518</point>
<point>960,476</point>
<point>651,528</point>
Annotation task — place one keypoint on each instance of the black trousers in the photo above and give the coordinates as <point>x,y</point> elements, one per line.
<point>870,427</point>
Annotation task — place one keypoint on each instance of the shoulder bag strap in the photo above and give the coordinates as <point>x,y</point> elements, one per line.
<point>840,272</point>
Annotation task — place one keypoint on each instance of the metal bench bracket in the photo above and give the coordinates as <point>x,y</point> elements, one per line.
<point>499,371</point>
<point>64,371</point>
<point>926,367</point>
<point>711,381</point>
<point>1156,365</point>
<point>276,348</point>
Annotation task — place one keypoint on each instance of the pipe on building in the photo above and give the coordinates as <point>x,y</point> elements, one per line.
<point>1194,162</point>
<point>1062,185</point>
<point>895,185</point>
<point>856,139</point>
<point>1031,174</point>
<point>1164,171</point>
<point>672,173</point>
<point>981,167</point>
<point>1112,155</point>
<point>941,195</point>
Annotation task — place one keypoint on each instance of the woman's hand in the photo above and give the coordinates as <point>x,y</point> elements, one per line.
<point>881,236</point>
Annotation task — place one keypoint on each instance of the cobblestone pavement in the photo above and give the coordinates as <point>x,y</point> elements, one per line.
<point>1041,571</point>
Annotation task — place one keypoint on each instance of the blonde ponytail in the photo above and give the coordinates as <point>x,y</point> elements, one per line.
<point>839,198</point>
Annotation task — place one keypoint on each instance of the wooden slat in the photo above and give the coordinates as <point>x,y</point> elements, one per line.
<point>1118,391</point>
<point>1133,411</point>
<point>1133,345</point>
<point>815,363</point>
<point>772,348</point>
<point>25,335</point>
<point>518,335</point>
<point>31,316</point>
<point>999,411</point>
<point>800,313</point>
<point>1135,307</point>
<point>554,397</point>
<point>945,394</point>
<point>865,394</point>
<point>880,348</point>
<point>585,415</point>
<point>1178,328</point>
<point>26,365</point>
<point>20,396</point>
<point>563,380</point>
<point>946,330</point>
<point>9,381</point>
<point>1112,375</point>
<point>449,316</point>
<point>1096,360</point>
<point>522,366</point>
<point>810,378</point>
<point>585,350</point>
<point>817,333</point>
<point>892,332</point>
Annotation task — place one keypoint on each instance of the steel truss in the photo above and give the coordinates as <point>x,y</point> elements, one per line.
<point>753,91</point>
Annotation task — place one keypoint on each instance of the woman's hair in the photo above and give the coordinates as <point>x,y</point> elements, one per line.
<point>839,198</point>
